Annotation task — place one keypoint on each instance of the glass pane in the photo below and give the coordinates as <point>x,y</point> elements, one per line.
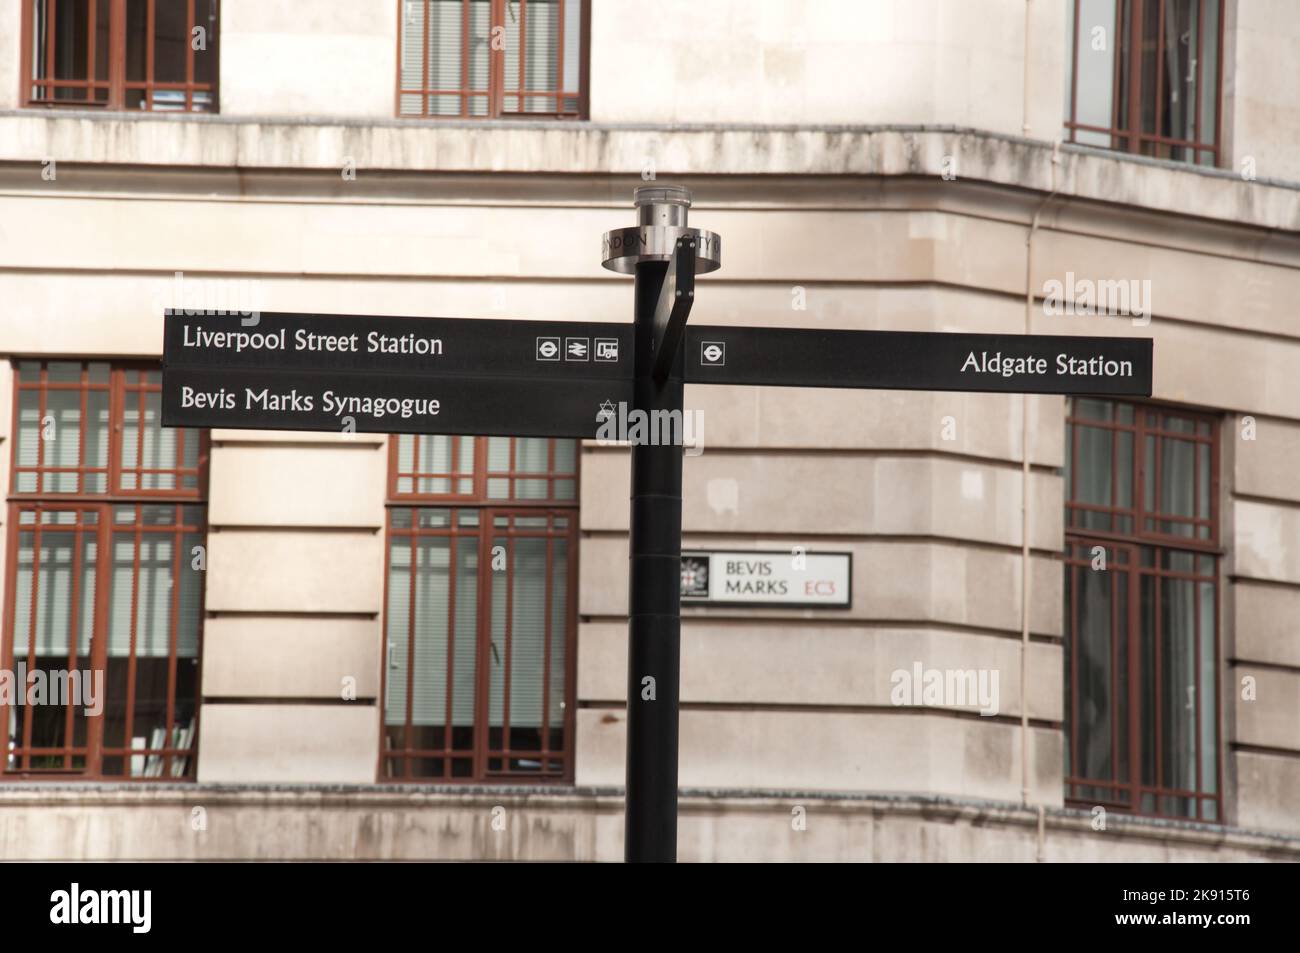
<point>171,44</point>
<point>498,454</point>
<point>1086,408</point>
<point>1182,45</point>
<point>1092,477</point>
<point>1121,635</point>
<point>519,637</point>
<point>63,450</point>
<point>141,595</point>
<point>1147,680</point>
<point>572,50</point>
<point>465,455</point>
<point>97,412</point>
<point>1178,650</point>
<point>559,627</point>
<point>63,372</point>
<point>205,60</point>
<point>1149,477</point>
<point>159,446</point>
<point>1203,480</point>
<point>1208,712</point>
<point>1149,65</point>
<point>446,32</point>
<point>429,593</point>
<point>29,448</point>
<point>1124,469</point>
<point>46,581</point>
<point>1094,51</point>
<point>1207,131</point>
<point>566,456</point>
<point>1094,677</point>
<point>409,105</point>
<point>71,43</point>
<point>137,39</point>
<point>433,519</point>
<point>480,23</point>
<point>435,454</point>
<point>432,616</point>
<point>530,490</point>
<point>1176,484</point>
<point>532,454</point>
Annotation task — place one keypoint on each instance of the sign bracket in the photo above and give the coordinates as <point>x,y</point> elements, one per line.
<point>676,297</point>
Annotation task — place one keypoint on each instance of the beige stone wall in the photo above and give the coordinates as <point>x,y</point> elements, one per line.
<point>503,221</point>
<point>836,62</point>
<point>772,699</point>
<point>1263,109</point>
<point>346,822</point>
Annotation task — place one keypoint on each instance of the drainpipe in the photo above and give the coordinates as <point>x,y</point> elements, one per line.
<point>1024,503</point>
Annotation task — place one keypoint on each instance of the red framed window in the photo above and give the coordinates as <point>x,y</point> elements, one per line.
<point>492,58</point>
<point>480,620</point>
<point>104,576</point>
<point>156,55</point>
<point>1142,685</point>
<point>1146,76</point>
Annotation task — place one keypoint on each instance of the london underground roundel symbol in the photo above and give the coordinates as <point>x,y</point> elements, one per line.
<point>548,349</point>
<point>712,352</point>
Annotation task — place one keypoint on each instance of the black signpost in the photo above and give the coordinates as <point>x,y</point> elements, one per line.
<point>344,373</point>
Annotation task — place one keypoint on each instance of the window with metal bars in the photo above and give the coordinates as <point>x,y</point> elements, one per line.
<point>155,55</point>
<point>492,58</point>
<point>1146,76</point>
<point>1142,709</point>
<point>480,609</point>
<point>104,575</point>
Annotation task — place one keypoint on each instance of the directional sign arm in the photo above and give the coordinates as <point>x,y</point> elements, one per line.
<point>674,306</point>
<point>344,401</point>
<point>917,360</point>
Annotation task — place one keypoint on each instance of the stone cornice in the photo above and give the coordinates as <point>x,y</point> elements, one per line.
<point>615,149</point>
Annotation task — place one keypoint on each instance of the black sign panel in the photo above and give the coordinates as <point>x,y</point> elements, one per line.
<point>338,401</point>
<point>542,350</point>
<point>915,360</point>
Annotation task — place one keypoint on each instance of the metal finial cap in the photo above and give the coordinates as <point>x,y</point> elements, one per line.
<point>662,195</point>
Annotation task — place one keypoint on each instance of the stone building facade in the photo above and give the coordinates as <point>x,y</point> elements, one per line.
<point>336,672</point>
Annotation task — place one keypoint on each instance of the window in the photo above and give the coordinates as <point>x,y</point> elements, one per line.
<point>104,580</point>
<point>1141,631</point>
<point>492,58</point>
<point>157,55</point>
<point>1146,77</point>
<point>480,618</point>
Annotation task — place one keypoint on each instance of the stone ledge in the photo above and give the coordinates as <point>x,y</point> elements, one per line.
<point>621,149</point>
<point>697,801</point>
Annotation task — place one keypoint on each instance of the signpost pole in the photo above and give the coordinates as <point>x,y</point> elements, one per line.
<point>650,250</point>
<point>654,610</point>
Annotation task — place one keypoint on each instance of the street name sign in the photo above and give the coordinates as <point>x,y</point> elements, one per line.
<point>767,578</point>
